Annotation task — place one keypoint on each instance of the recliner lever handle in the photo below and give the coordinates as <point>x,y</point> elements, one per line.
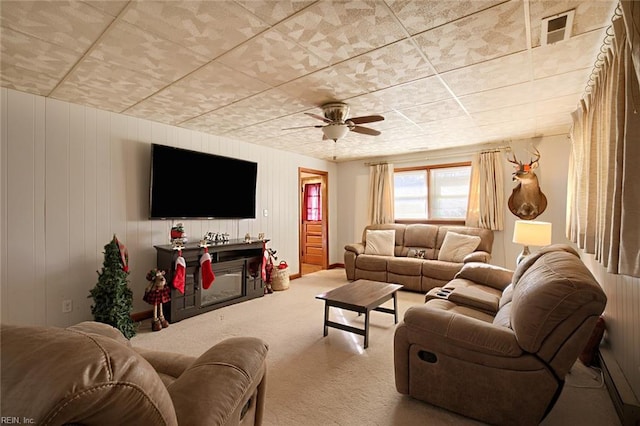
<point>429,357</point>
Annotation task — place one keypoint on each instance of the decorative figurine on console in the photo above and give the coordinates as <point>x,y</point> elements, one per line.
<point>157,293</point>
<point>215,237</point>
<point>178,236</point>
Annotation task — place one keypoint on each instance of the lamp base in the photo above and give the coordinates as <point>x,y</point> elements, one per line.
<point>525,253</point>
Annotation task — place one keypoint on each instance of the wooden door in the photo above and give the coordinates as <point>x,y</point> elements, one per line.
<point>312,237</point>
<point>313,212</point>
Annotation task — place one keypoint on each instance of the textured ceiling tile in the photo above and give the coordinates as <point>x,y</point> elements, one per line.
<point>433,111</point>
<point>103,86</point>
<point>27,80</point>
<point>561,85</point>
<point>424,90</point>
<point>448,124</point>
<point>504,115</point>
<point>562,105</point>
<point>574,53</point>
<point>130,47</point>
<point>389,66</point>
<point>264,106</point>
<point>320,87</point>
<point>208,28</point>
<point>111,7</point>
<point>421,15</point>
<point>72,25</point>
<point>498,72</point>
<point>40,57</point>
<point>498,98</point>
<point>209,88</point>
<point>589,15</point>
<point>545,129</point>
<point>273,12</point>
<point>336,31</point>
<point>516,129</point>
<point>485,35</point>
<point>272,58</point>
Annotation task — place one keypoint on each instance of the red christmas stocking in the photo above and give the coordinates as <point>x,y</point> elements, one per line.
<point>205,266</point>
<point>179,276</point>
<point>265,260</point>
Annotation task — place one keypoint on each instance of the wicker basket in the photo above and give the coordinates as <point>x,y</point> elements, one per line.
<point>280,279</point>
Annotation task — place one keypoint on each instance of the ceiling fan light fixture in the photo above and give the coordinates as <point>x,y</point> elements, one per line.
<point>335,131</point>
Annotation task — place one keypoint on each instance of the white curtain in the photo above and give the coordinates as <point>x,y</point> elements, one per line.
<point>486,192</point>
<point>603,197</point>
<point>381,194</point>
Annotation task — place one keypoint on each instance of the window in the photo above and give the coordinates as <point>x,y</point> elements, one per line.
<point>432,192</point>
<point>312,201</point>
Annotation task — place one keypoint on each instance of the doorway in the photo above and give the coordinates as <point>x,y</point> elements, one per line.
<point>314,253</point>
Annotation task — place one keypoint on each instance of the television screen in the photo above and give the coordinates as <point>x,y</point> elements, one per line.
<point>191,184</point>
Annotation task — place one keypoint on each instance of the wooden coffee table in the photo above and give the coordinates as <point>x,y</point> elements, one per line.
<point>361,296</point>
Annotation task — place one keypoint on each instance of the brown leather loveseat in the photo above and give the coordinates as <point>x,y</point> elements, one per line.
<point>89,374</point>
<point>504,366</point>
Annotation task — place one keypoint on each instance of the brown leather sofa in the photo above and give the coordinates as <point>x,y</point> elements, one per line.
<point>403,267</point>
<point>89,374</point>
<point>506,365</point>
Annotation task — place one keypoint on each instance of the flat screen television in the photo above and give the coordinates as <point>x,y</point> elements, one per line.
<point>190,184</point>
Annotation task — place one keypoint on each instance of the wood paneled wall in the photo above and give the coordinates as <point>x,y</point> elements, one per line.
<point>622,319</point>
<point>73,176</point>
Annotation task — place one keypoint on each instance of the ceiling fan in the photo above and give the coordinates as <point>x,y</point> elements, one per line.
<point>338,125</point>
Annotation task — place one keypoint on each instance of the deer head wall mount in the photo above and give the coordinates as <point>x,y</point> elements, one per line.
<point>527,200</point>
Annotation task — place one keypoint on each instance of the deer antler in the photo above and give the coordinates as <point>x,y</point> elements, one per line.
<point>537,154</point>
<point>515,161</point>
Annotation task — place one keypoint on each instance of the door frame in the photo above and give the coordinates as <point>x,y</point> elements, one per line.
<point>324,196</point>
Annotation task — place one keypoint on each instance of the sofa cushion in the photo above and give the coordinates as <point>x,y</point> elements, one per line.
<point>380,242</point>
<point>486,235</point>
<point>368,262</point>
<point>405,266</point>
<point>440,269</point>
<point>456,246</point>
<point>422,237</point>
<point>470,293</point>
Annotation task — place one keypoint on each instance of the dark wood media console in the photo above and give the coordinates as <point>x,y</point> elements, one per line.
<point>236,265</point>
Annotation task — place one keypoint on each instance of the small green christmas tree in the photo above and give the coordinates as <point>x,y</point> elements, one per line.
<point>112,296</point>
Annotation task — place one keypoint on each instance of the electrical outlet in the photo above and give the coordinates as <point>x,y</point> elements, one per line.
<point>67,306</point>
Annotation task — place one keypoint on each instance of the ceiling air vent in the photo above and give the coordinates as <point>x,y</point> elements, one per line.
<point>556,28</point>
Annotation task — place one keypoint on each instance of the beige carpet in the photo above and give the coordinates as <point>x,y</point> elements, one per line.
<point>316,380</point>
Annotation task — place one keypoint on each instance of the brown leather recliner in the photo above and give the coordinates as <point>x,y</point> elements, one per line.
<point>89,374</point>
<point>507,366</point>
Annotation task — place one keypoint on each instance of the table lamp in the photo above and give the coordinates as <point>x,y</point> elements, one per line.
<point>530,233</point>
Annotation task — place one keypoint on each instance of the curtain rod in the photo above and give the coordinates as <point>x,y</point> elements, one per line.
<point>600,58</point>
<point>506,148</point>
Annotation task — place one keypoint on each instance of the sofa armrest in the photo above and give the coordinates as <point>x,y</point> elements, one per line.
<point>489,275</point>
<point>425,323</point>
<point>477,256</point>
<point>357,248</point>
<point>100,329</point>
<point>223,384</point>
<point>166,363</point>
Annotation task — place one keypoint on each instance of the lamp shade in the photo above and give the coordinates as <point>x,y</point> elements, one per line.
<point>335,131</point>
<point>530,233</point>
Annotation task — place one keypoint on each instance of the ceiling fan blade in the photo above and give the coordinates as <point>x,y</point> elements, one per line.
<point>365,131</point>
<point>302,127</point>
<point>366,119</point>
<point>319,117</point>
